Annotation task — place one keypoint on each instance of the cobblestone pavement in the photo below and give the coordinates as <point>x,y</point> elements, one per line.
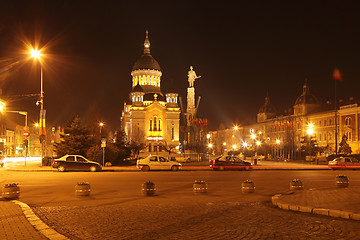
<point>156,218</point>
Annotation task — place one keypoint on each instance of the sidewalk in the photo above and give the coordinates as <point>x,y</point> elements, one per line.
<point>18,221</point>
<point>333,202</point>
<point>14,225</point>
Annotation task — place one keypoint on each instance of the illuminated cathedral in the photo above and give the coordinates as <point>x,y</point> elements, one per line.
<point>150,118</point>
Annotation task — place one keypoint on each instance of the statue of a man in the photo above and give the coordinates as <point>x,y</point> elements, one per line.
<point>192,76</point>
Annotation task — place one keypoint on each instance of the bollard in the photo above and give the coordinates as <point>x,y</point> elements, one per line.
<point>11,191</point>
<point>82,189</point>
<point>199,186</point>
<point>342,181</point>
<point>248,186</point>
<point>296,184</point>
<point>148,188</point>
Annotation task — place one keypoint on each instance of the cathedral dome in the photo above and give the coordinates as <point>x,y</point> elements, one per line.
<point>267,107</point>
<point>138,88</point>
<point>146,61</point>
<point>154,97</point>
<point>306,97</point>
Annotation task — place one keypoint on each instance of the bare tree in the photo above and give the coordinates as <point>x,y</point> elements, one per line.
<point>137,141</point>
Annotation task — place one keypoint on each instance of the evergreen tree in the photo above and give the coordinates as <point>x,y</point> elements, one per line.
<point>344,146</point>
<point>75,140</point>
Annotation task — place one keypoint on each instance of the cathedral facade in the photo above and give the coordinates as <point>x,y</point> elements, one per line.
<point>150,118</point>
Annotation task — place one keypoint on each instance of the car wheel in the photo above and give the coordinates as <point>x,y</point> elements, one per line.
<point>221,168</point>
<point>145,168</point>
<point>61,169</point>
<point>174,168</point>
<point>92,169</point>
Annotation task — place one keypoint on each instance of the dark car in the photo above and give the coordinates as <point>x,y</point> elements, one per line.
<point>75,163</point>
<point>229,162</point>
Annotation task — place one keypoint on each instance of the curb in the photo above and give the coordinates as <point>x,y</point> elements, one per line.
<point>314,210</point>
<point>38,224</point>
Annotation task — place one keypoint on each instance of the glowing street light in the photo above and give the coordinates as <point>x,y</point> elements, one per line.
<point>245,144</point>
<point>2,106</point>
<point>101,125</point>
<point>36,54</point>
<point>210,145</point>
<point>234,146</point>
<point>277,141</point>
<point>258,143</point>
<point>310,129</point>
<point>253,136</point>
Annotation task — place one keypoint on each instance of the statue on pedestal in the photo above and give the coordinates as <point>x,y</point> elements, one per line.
<point>192,76</point>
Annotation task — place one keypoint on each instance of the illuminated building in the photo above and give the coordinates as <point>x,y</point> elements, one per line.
<point>150,117</point>
<point>283,134</point>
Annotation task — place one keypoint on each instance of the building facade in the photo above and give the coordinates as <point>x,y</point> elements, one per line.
<point>284,134</point>
<point>150,118</point>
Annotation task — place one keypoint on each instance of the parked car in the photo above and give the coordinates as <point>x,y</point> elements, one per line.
<point>155,162</point>
<point>75,163</point>
<point>344,163</point>
<point>229,162</point>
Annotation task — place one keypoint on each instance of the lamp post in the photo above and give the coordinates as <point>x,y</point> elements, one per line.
<point>277,147</point>
<point>2,124</point>
<point>35,53</point>
<point>310,131</point>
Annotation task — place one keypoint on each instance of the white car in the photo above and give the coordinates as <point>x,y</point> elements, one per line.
<point>154,162</point>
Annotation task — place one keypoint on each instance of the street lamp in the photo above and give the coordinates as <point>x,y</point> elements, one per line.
<point>101,124</point>
<point>277,147</point>
<point>36,54</point>
<point>310,131</point>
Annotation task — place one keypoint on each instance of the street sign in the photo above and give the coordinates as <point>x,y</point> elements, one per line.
<point>26,133</point>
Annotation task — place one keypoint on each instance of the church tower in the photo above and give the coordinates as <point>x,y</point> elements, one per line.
<point>306,103</point>
<point>150,118</point>
<point>266,111</point>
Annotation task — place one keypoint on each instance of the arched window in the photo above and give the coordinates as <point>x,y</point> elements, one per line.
<point>151,126</point>
<point>349,135</point>
<point>159,124</point>
<point>155,123</point>
<point>348,121</point>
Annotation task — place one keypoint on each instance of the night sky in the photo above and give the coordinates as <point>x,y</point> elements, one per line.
<point>242,52</point>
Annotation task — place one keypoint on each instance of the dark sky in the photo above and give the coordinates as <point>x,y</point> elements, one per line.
<point>241,51</point>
